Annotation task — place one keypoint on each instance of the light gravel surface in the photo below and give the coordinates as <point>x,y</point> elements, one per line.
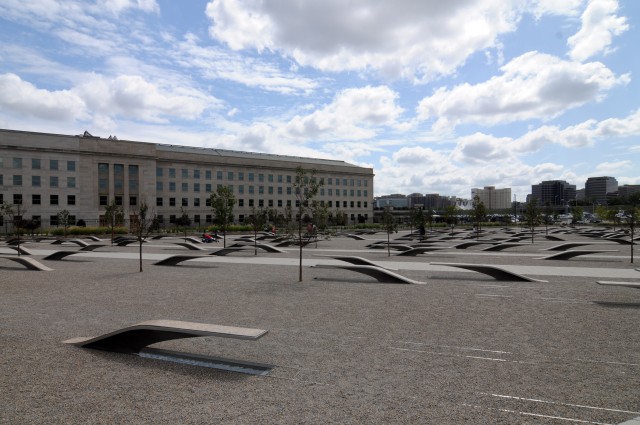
<point>461,349</point>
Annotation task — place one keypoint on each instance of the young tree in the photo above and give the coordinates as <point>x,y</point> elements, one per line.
<point>419,220</point>
<point>222,202</point>
<point>144,223</point>
<point>532,216</point>
<point>113,216</point>
<point>184,222</point>
<point>429,218</point>
<point>632,216</point>
<point>390,226</point>
<point>451,216</point>
<point>64,220</point>
<point>548,217</point>
<point>577,214</point>
<point>257,219</point>
<point>478,214</point>
<point>305,187</point>
<point>15,213</point>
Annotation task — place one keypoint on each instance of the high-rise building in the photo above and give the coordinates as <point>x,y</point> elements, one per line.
<point>596,189</point>
<point>553,192</point>
<point>47,173</point>
<point>492,198</point>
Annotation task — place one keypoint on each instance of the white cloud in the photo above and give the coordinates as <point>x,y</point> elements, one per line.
<point>354,114</point>
<point>613,167</point>
<point>134,97</point>
<point>22,98</point>
<point>599,25</point>
<point>555,7</point>
<point>405,38</point>
<point>532,86</point>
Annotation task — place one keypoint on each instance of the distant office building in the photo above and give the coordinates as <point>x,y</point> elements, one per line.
<point>431,200</point>
<point>394,200</point>
<point>596,189</point>
<point>627,190</point>
<point>492,198</point>
<point>580,194</point>
<point>553,192</point>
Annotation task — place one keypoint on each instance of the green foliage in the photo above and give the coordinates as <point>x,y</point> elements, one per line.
<point>77,231</point>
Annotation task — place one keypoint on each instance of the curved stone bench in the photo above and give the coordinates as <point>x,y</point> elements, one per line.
<point>566,255</point>
<point>135,339</point>
<point>568,245</point>
<point>420,250</point>
<point>59,255</point>
<point>27,262</point>
<point>21,250</point>
<point>635,285</point>
<point>189,245</point>
<point>357,261</point>
<point>505,245</point>
<point>497,273</point>
<point>466,245</point>
<point>174,260</point>
<point>228,250</point>
<point>380,274</point>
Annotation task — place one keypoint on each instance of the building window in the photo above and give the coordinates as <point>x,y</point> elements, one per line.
<point>229,175</point>
<point>35,199</point>
<point>185,202</point>
<point>288,179</point>
<point>270,204</point>
<point>159,186</point>
<point>133,179</point>
<point>172,186</point>
<point>158,202</point>
<point>53,199</point>
<point>17,163</point>
<point>270,178</point>
<point>35,181</point>
<point>17,198</point>
<point>251,202</point>
<point>207,174</point>
<point>196,218</point>
<point>250,177</point>
<point>261,178</point>
<point>196,174</point>
<point>207,202</point>
<point>185,173</point>
<point>270,190</point>
<point>35,164</point>
<point>240,175</point>
<point>118,200</point>
<point>53,181</point>
<point>118,178</point>
<point>53,220</point>
<point>279,178</point>
<point>71,199</point>
<point>71,182</point>
<point>260,203</point>
<point>250,189</point>
<point>53,164</point>
<point>219,175</point>
<point>207,187</point>
<point>17,180</point>
<point>172,218</point>
<point>196,202</point>
<point>279,190</point>
<point>172,202</point>
<point>71,166</point>
<point>103,178</point>
<point>279,203</point>
<point>261,189</point>
<point>103,200</point>
<point>185,187</point>
<point>159,172</point>
<point>133,200</point>
<point>241,202</point>
<point>208,218</point>
<point>196,187</point>
<point>172,173</point>
<point>1,180</point>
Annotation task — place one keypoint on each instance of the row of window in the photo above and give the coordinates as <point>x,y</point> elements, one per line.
<point>36,181</point>
<point>184,202</point>
<point>36,199</point>
<point>17,163</point>
<point>240,176</point>
<point>261,189</point>
<point>208,218</point>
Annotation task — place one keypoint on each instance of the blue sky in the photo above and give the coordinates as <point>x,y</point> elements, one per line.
<point>437,97</point>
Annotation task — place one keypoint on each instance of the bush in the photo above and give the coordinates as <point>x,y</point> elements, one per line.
<point>76,230</point>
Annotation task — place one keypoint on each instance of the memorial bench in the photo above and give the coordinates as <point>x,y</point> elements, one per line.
<point>496,272</point>
<point>635,285</point>
<point>382,275</point>
<point>27,262</point>
<point>566,255</point>
<point>136,339</point>
<point>358,261</point>
<point>505,245</point>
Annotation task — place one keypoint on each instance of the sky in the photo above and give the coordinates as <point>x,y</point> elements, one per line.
<point>436,96</point>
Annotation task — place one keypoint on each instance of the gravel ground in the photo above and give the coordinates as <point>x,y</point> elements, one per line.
<point>461,349</point>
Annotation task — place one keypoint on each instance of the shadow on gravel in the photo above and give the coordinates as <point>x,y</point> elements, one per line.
<point>612,304</point>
